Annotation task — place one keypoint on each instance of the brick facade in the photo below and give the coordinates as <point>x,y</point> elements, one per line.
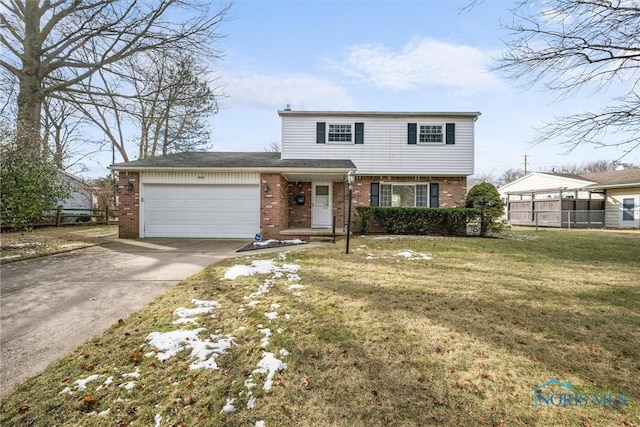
<point>278,208</point>
<point>274,205</point>
<point>129,209</point>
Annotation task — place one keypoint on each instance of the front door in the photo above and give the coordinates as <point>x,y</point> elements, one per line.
<point>321,205</point>
<point>629,211</point>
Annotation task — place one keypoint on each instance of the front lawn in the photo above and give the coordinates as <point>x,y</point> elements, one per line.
<point>404,331</point>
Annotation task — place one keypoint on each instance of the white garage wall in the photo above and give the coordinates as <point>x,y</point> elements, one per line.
<point>200,178</point>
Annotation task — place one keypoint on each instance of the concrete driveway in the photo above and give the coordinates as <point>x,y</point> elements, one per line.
<point>50,305</point>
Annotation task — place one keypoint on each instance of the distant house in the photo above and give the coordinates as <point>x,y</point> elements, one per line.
<point>622,192</point>
<point>607,199</point>
<point>80,193</point>
<point>400,159</point>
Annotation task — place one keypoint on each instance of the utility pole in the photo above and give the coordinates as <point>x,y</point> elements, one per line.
<point>525,164</point>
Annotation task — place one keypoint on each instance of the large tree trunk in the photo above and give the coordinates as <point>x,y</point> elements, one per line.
<point>30,96</point>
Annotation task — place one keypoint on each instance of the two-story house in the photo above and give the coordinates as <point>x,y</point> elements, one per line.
<point>400,159</point>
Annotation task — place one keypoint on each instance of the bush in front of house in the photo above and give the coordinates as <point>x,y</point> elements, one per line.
<point>401,220</point>
<point>485,199</point>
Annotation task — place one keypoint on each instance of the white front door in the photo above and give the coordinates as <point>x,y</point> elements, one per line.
<point>629,211</point>
<point>321,205</point>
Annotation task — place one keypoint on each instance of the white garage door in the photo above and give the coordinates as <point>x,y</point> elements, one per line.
<point>220,211</point>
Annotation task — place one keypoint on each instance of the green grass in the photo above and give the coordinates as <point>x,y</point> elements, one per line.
<point>458,340</point>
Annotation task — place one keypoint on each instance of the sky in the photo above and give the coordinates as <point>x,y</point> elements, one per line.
<point>382,55</point>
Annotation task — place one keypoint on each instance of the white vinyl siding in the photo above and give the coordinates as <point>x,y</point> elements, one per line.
<point>385,150</point>
<point>613,206</point>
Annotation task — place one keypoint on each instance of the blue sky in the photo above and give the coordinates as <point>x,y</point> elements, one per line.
<point>411,55</point>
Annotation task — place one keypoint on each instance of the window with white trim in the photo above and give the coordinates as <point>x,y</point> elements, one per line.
<point>340,133</point>
<point>430,133</point>
<point>404,195</point>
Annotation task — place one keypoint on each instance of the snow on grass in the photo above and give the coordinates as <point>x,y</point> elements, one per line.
<point>257,267</point>
<point>269,365</point>
<point>272,315</point>
<point>81,384</point>
<point>409,254</point>
<point>204,350</point>
<point>229,407</point>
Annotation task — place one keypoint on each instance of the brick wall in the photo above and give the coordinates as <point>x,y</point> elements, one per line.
<point>274,205</point>
<point>299,215</point>
<point>129,209</point>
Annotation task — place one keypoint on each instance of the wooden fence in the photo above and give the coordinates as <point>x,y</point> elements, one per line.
<point>66,216</point>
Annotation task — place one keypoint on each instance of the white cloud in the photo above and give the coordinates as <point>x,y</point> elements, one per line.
<point>274,91</point>
<point>422,62</point>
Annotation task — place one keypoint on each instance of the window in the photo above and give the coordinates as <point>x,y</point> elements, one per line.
<point>628,207</point>
<point>431,134</point>
<point>404,195</point>
<point>339,133</point>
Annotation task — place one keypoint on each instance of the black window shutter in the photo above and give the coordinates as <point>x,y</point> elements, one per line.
<point>320,132</point>
<point>434,197</point>
<point>359,133</point>
<point>451,133</point>
<point>412,132</point>
<point>375,194</point>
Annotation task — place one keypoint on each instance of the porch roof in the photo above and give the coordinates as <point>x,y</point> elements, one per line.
<point>239,161</point>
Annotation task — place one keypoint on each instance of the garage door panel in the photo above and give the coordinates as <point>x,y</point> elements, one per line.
<point>224,211</point>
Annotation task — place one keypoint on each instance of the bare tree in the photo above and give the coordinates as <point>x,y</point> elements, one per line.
<point>173,103</point>
<point>53,46</point>
<point>273,147</point>
<point>569,46</point>
<point>510,175</point>
<point>590,167</point>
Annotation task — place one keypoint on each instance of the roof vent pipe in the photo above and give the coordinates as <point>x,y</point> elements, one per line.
<point>288,107</point>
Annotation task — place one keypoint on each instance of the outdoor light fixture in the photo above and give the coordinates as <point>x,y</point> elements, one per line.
<point>299,186</point>
<point>128,186</point>
<point>351,176</point>
<point>265,186</point>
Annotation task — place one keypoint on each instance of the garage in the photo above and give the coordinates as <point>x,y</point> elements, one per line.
<point>200,211</point>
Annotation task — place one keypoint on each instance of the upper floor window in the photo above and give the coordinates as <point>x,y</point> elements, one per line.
<point>430,133</point>
<point>339,133</point>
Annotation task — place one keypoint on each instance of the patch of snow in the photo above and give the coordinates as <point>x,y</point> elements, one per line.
<point>10,256</point>
<point>134,374</point>
<point>256,267</point>
<point>264,342</point>
<point>228,407</point>
<point>253,303</point>
<point>269,365</point>
<point>129,386</point>
<point>272,315</point>
<point>409,254</point>
<point>370,256</point>
<point>295,287</point>
<point>261,424</point>
<point>104,413</point>
<point>284,353</point>
<point>106,383</point>
<point>287,316</point>
<point>157,419</point>
<point>82,383</point>
<point>251,403</point>
<point>275,306</point>
<point>65,390</point>
<point>205,350</point>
